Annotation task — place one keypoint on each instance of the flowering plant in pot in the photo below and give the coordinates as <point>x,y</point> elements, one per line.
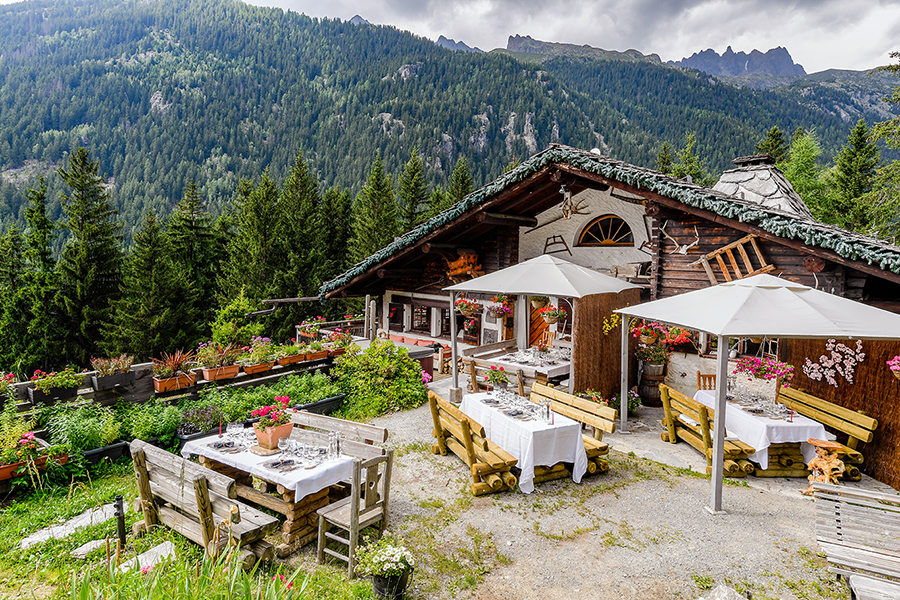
<point>649,332</point>
<point>552,314</point>
<point>468,306</point>
<point>894,365</point>
<point>499,311</point>
<point>218,361</point>
<point>274,422</point>
<point>173,371</point>
<point>310,327</point>
<point>7,380</point>
<point>500,299</point>
<point>657,353</point>
<point>497,377</point>
<point>539,301</point>
<point>338,341</point>
<point>634,401</point>
<point>390,566</point>
<point>316,351</point>
<point>56,384</point>
<point>259,356</point>
<point>20,450</point>
<point>289,353</point>
<point>766,368</point>
<point>112,372</point>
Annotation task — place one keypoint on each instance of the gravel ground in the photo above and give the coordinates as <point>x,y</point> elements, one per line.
<point>640,531</point>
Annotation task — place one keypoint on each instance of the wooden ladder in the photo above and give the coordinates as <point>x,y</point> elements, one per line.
<point>556,240</point>
<point>764,267</point>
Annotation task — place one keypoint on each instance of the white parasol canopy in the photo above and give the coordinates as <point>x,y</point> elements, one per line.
<point>753,307</point>
<point>545,275</point>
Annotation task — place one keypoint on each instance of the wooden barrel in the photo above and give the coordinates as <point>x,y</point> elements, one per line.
<point>648,389</point>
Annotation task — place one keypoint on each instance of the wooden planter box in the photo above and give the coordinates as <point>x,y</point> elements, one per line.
<point>323,407</point>
<point>336,351</point>
<point>184,438</point>
<point>216,373</point>
<point>9,471</point>
<point>289,360</point>
<point>171,384</point>
<point>260,368</point>
<point>317,355</point>
<point>36,395</point>
<point>108,382</point>
<point>112,452</point>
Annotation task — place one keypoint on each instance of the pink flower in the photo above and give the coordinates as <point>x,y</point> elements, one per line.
<point>146,569</point>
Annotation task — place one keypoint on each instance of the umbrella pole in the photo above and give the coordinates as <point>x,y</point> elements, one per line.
<point>623,391</point>
<point>718,457</point>
<point>454,390</point>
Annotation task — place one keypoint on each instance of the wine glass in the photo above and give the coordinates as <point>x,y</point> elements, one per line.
<point>283,444</point>
<point>233,430</point>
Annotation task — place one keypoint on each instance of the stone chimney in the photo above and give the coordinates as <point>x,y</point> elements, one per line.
<point>756,179</point>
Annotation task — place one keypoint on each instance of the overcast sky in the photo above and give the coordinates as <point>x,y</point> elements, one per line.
<point>819,34</point>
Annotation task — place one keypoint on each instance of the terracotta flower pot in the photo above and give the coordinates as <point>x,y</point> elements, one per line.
<point>268,437</point>
<point>336,351</point>
<point>170,384</point>
<point>9,471</point>
<point>215,373</point>
<point>289,360</point>
<point>258,368</point>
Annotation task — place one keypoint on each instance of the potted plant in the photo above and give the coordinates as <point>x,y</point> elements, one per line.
<point>21,451</point>
<point>286,354</point>
<point>499,311</point>
<point>112,372</point>
<point>894,365</point>
<point>766,368</point>
<point>90,429</point>
<point>317,350</point>
<point>551,314</point>
<point>539,301</point>
<point>337,342</point>
<point>59,385</point>
<point>173,371</point>
<point>259,357</point>
<point>274,423</point>
<point>614,402</point>
<point>648,332</point>
<point>469,307</point>
<point>497,377</point>
<point>218,361</point>
<point>198,422</point>
<point>390,566</point>
<point>309,328</point>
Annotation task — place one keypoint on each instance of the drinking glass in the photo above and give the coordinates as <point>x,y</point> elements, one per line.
<point>233,430</point>
<point>283,444</point>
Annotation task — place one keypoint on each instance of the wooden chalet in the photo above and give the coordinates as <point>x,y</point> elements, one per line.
<point>669,235</point>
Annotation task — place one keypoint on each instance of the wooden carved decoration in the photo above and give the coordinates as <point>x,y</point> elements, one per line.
<point>466,264</point>
<point>826,467</point>
<point>678,247</point>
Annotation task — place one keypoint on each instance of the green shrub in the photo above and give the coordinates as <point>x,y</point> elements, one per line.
<point>151,419</point>
<point>232,326</point>
<point>85,427</point>
<point>380,379</point>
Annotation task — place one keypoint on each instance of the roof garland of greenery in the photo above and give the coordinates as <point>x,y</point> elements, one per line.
<point>844,243</point>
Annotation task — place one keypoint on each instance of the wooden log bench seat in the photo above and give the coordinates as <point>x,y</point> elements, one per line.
<point>692,422</point>
<point>859,531</point>
<point>601,418</point>
<point>455,431</point>
<point>854,424</point>
<point>198,503</point>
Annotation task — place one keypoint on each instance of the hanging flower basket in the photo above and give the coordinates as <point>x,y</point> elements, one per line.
<point>648,339</point>
<point>550,319</point>
<point>539,301</point>
<point>468,307</point>
<point>896,374</point>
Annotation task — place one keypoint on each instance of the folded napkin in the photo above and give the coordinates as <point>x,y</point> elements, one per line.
<point>277,464</point>
<point>219,445</point>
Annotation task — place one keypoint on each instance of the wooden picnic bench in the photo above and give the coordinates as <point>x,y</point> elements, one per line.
<point>856,425</point>
<point>488,351</point>
<point>477,369</point>
<point>601,418</point>
<point>455,431</point>
<point>690,421</point>
<point>859,530</point>
<point>198,503</point>
<point>349,430</point>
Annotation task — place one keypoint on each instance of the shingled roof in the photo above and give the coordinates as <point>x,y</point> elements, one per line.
<point>777,221</point>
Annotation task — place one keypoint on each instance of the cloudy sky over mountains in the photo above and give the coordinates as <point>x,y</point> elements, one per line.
<point>819,34</point>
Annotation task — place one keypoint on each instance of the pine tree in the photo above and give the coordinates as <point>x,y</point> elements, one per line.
<point>413,193</point>
<point>197,249</point>
<point>854,176</point>
<point>665,159</point>
<point>155,312</point>
<point>460,184</point>
<point>774,145</point>
<point>689,164</point>
<point>334,228</point>
<point>91,263</point>
<point>41,282</point>
<point>13,304</point>
<point>804,174</point>
<point>437,202</point>
<point>374,214</point>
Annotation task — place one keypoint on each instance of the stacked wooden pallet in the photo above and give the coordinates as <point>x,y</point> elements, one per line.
<point>456,432</point>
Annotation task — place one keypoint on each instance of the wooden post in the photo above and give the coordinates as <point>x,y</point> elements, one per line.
<point>144,493</point>
<point>438,430</point>
<point>201,492</point>
<point>667,408</point>
<point>454,355</point>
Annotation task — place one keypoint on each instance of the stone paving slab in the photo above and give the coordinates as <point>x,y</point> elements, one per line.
<point>151,557</point>
<point>55,532</point>
<point>82,551</point>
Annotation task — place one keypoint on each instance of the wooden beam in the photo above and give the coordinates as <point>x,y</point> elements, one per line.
<point>430,247</point>
<point>734,224</point>
<point>492,218</point>
<point>395,273</point>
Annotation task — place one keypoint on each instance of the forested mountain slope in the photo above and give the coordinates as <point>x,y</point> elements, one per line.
<point>176,90</point>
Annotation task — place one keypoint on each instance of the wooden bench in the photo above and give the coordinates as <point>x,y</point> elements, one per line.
<point>455,431</point>
<point>350,430</point>
<point>488,351</point>
<point>859,530</point>
<point>601,418</point>
<point>692,422</point>
<point>857,426</point>
<point>198,503</point>
<point>477,369</point>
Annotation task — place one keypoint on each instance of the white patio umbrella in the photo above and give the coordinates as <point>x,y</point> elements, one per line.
<point>543,275</point>
<point>753,307</point>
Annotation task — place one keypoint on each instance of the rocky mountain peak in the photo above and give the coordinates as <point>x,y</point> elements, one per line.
<point>776,61</point>
<point>454,45</point>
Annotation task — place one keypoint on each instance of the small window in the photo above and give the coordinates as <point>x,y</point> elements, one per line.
<point>608,230</point>
<point>421,318</point>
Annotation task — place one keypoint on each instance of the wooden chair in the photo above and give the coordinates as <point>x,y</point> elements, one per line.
<point>366,505</point>
<point>706,382</point>
<point>857,426</point>
<point>478,369</point>
<point>547,337</point>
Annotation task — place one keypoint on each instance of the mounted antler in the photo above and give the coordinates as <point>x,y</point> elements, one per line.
<point>678,247</point>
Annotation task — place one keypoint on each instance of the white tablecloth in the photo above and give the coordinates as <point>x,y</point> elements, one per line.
<point>302,481</point>
<point>760,431</point>
<point>531,442</point>
<point>559,369</point>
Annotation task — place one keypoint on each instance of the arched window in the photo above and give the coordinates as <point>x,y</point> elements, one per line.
<point>608,230</point>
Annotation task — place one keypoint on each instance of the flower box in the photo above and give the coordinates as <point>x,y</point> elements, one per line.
<point>259,368</point>
<point>289,360</point>
<point>336,351</point>
<point>309,334</point>
<point>108,382</point>
<point>215,373</point>
<point>9,471</point>
<point>184,438</point>
<point>317,355</point>
<point>170,384</point>
<point>268,437</point>
<point>112,452</point>
<point>36,395</point>
<point>323,407</point>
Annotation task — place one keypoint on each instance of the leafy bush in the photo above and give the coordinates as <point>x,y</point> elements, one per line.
<point>380,379</point>
<point>200,419</point>
<point>232,326</point>
<point>85,427</point>
<point>151,419</point>
<point>237,404</point>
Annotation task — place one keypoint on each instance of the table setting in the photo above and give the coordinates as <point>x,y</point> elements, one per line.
<point>553,362</point>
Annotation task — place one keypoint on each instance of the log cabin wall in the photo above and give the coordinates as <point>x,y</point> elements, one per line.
<point>597,357</point>
<point>873,390</point>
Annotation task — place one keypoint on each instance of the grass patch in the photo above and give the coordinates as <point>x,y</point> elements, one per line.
<point>703,582</point>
